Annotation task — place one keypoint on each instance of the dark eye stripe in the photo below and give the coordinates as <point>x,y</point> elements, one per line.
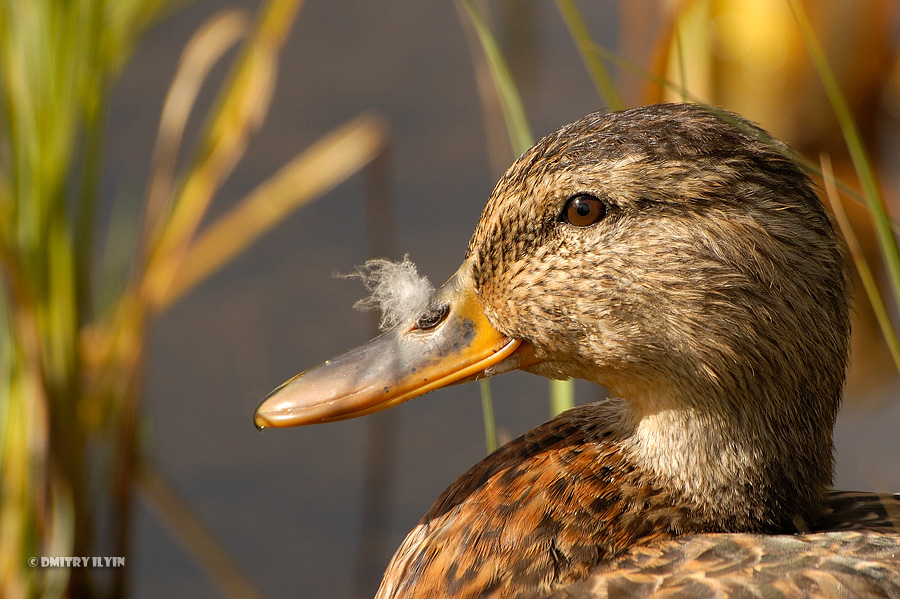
<point>583,210</point>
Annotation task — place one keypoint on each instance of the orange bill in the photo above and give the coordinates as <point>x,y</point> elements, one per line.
<point>453,341</point>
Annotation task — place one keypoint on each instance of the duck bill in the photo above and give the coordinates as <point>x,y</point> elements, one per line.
<point>403,363</point>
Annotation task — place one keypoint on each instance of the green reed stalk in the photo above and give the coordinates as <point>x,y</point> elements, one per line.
<point>881,221</point>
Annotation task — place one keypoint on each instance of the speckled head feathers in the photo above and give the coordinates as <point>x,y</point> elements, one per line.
<point>714,284</point>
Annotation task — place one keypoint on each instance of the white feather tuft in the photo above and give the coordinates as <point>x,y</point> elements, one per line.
<point>395,288</point>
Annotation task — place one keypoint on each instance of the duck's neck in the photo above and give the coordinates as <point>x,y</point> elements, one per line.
<point>738,470</point>
<point>688,452</point>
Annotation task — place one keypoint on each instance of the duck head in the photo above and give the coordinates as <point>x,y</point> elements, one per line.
<point>674,254</point>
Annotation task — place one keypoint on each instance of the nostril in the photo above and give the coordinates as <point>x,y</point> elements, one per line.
<point>434,316</point>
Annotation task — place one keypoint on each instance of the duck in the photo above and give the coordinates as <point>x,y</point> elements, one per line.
<point>677,255</point>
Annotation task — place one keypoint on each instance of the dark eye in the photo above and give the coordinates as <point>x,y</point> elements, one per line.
<point>583,210</point>
<point>432,317</point>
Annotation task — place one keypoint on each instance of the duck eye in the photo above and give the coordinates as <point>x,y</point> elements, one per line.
<point>432,317</point>
<point>583,210</point>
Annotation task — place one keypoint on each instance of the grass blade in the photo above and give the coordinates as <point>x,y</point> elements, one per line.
<point>193,535</point>
<point>517,126</point>
<point>487,408</point>
<point>330,161</point>
<point>595,66</point>
<point>859,259</point>
<point>880,219</point>
<point>202,51</point>
<point>241,109</point>
<point>562,396</point>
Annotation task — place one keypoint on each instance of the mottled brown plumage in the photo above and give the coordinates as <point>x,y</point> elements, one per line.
<point>824,565</point>
<point>699,279</point>
<point>538,512</point>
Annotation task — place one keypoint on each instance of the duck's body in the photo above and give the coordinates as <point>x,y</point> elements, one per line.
<point>824,565</point>
<point>554,513</point>
<point>678,257</point>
